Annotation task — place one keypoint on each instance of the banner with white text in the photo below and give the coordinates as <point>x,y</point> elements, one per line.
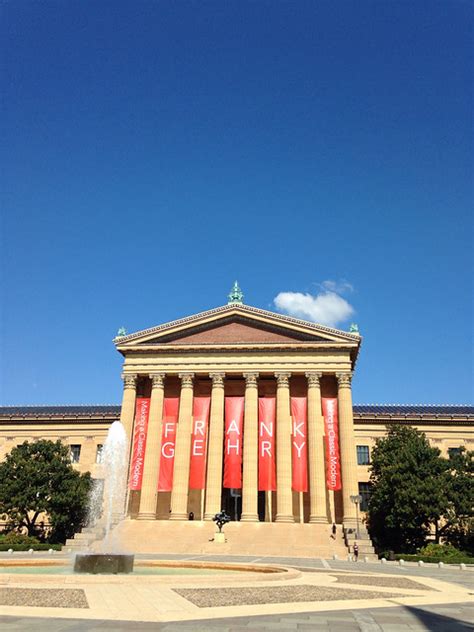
<point>234,418</point>
<point>142,410</point>
<point>266,444</point>
<point>299,443</point>
<point>168,442</point>
<point>197,466</point>
<point>331,440</point>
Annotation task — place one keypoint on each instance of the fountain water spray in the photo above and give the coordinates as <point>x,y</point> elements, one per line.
<point>107,506</point>
<point>114,463</point>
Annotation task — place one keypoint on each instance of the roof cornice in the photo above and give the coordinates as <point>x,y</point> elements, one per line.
<point>237,309</point>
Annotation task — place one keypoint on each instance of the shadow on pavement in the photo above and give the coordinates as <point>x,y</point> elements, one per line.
<point>437,621</point>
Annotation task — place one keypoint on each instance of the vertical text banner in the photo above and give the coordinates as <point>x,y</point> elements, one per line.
<point>266,444</point>
<point>331,440</point>
<point>168,441</point>
<point>234,418</point>
<point>197,468</point>
<point>299,443</point>
<point>142,410</point>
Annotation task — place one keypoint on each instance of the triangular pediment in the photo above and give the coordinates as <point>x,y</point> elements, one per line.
<point>235,325</point>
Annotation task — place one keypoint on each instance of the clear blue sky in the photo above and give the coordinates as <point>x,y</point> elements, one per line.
<point>153,152</point>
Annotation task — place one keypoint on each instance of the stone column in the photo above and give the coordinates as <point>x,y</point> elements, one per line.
<point>348,450</point>
<point>216,448</point>
<point>127,412</point>
<point>179,494</point>
<point>317,473</point>
<point>250,474</point>
<point>151,466</point>
<point>283,437</point>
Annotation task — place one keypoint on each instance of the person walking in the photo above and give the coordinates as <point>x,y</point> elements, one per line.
<point>334,531</point>
<point>355,549</point>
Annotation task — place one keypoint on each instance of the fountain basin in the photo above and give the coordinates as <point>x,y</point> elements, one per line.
<point>95,563</point>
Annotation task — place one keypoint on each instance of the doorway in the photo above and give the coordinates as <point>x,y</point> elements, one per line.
<point>232,503</point>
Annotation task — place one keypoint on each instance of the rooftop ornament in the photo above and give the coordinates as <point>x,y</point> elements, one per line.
<point>121,332</point>
<point>236,295</point>
<point>354,329</point>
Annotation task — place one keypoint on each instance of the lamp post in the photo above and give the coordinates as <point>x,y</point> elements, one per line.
<point>357,499</point>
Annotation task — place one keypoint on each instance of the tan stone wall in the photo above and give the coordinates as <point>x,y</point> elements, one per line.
<point>87,435</point>
<point>90,434</point>
<point>447,436</point>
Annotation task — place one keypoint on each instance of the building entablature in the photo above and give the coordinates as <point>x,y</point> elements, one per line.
<point>236,329</point>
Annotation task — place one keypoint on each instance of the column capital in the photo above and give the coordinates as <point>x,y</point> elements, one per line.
<point>313,378</point>
<point>217,380</point>
<point>344,380</point>
<point>129,380</point>
<point>251,380</point>
<point>283,379</point>
<point>186,380</point>
<point>157,380</point>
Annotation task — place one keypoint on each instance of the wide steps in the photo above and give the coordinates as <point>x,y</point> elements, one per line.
<point>243,538</point>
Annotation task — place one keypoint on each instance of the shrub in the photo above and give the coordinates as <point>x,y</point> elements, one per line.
<point>461,558</point>
<point>441,551</point>
<point>20,542</point>
<point>12,539</point>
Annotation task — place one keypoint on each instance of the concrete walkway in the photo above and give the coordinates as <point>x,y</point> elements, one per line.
<point>318,595</point>
<point>442,618</point>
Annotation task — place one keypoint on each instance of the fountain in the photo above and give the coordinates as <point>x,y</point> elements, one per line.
<point>107,504</point>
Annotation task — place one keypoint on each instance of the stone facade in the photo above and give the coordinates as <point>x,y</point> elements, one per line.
<point>239,350</point>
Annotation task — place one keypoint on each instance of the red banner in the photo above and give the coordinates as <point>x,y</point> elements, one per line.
<point>142,410</point>
<point>197,466</point>
<point>234,417</point>
<point>266,444</point>
<point>299,443</point>
<point>168,441</point>
<point>331,440</point>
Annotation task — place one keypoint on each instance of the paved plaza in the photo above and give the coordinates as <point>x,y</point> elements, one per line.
<point>313,594</point>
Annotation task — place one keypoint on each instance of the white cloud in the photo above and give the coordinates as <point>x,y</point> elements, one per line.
<point>340,287</point>
<point>326,308</point>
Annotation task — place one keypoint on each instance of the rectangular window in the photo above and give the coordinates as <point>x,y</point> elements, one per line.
<point>99,453</point>
<point>452,452</point>
<point>363,455</point>
<point>75,453</point>
<point>364,491</point>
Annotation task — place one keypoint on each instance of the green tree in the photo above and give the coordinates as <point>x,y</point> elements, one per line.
<point>457,524</point>
<point>408,477</point>
<point>37,479</point>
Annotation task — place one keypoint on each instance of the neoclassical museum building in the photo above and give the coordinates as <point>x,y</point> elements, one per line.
<point>241,409</point>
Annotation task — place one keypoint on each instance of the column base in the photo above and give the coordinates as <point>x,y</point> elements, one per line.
<point>147,515</point>
<point>210,516</point>
<point>318,520</point>
<point>179,516</point>
<point>348,522</point>
<point>249,518</point>
<point>284,518</point>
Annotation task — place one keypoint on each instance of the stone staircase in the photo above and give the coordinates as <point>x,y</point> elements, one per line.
<point>363,540</point>
<point>241,538</point>
<point>84,539</point>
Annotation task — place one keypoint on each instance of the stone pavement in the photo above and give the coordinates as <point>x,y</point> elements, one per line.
<point>442,618</point>
<point>404,598</point>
